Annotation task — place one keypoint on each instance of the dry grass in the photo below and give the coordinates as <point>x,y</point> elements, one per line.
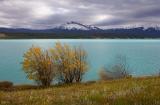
<point>135,91</point>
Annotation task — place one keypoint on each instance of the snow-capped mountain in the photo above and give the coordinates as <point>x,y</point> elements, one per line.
<point>157,28</point>
<point>76,26</point>
<point>77,30</point>
<point>143,27</point>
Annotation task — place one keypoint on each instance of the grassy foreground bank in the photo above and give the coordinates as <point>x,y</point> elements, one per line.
<point>134,91</point>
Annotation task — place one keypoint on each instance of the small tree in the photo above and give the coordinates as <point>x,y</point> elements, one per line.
<point>80,63</point>
<point>71,62</point>
<point>119,70</point>
<point>39,66</point>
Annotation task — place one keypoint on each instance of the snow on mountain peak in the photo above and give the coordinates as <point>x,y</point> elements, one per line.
<point>144,27</point>
<point>77,26</point>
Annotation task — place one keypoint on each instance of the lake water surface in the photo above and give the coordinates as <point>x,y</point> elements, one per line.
<point>143,56</point>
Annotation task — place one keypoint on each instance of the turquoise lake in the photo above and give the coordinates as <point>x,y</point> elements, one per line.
<point>143,56</point>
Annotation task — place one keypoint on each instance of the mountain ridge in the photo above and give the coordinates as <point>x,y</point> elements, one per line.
<point>80,26</point>
<point>77,30</point>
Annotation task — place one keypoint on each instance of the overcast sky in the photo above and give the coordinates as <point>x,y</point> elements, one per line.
<point>101,13</point>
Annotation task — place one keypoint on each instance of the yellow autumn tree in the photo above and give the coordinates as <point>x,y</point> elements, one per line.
<point>39,66</point>
<point>80,63</point>
<point>71,62</point>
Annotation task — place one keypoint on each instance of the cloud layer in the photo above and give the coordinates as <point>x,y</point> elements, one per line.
<point>102,13</point>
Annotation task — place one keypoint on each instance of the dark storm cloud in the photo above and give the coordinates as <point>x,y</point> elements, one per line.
<point>152,12</point>
<point>102,13</point>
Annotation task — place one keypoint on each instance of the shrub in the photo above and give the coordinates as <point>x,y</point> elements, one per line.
<point>39,66</point>
<point>66,63</point>
<point>71,62</point>
<point>6,84</point>
<point>117,71</point>
<point>26,87</point>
